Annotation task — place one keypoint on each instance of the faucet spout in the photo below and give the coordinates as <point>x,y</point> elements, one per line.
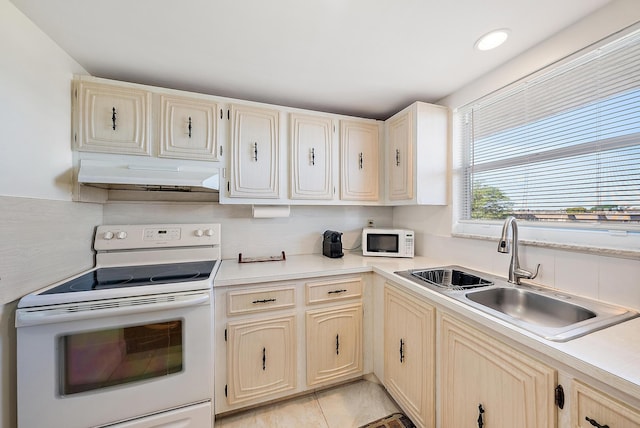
<point>515,271</point>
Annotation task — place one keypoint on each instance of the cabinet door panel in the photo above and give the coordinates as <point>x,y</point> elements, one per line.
<point>409,354</point>
<point>400,157</point>
<point>188,128</point>
<point>334,343</point>
<point>261,358</point>
<point>255,153</point>
<point>311,151</point>
<point>113,119</point>
<point>359,161</point>
<point>513,389</point>
<point>602,409</point>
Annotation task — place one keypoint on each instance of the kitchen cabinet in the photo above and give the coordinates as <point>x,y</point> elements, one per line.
<point>360,171</point>
<point>484,382</point>
<point>255,152</point>
<point>111,118</point>
<point>334,343</point>
<point>592,408</point>
<point>261,358</point>
<point>311,142</point>
<point>277,339</point>
<point>416,155</point>
<point>188,128</point>
<point>409,354</point>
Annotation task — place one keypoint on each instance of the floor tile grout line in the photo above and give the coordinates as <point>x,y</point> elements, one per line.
<point>326,421</point>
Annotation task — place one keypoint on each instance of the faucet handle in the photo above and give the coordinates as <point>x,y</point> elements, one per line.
<point>522,273</point>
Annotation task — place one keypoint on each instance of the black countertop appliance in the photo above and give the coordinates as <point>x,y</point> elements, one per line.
<point>332,244</point>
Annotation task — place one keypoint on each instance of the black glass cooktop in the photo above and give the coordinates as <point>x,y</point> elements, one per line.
<point>136,276</point>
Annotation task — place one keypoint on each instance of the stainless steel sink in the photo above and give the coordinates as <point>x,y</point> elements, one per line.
<point>551,314</point>
<point>530,307</point>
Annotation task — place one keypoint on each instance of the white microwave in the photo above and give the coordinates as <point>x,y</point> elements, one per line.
<point>387,242</point>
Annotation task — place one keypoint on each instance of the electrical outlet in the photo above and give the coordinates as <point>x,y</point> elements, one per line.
<point>370,223</point>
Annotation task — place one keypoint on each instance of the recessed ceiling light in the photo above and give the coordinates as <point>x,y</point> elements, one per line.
<point>492,39</point>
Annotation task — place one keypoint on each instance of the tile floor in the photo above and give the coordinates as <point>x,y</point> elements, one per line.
<point>350,405</point>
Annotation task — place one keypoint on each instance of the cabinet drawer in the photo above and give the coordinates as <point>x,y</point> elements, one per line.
<point>264,299</point>
<point>591,405</point>
<point>328,291</point>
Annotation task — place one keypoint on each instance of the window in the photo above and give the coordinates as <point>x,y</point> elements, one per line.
<point>561,147</point>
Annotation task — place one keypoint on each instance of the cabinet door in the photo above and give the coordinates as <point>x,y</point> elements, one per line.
<point>590,406</point>
<point>112,119</point>
<point>261,358</point>
<point>482,378</point>
<point>188,128</point>
<point>311,144</point>
<point>255,152</point>
<point>334,343</point>
<point>359,161</point>
<point>409,354</point>
<point>400,156</point>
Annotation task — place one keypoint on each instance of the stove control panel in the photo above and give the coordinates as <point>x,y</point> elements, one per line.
<point>130,237</point>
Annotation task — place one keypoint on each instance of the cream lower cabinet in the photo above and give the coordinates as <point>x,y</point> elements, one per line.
<point>592,408</point>
<point>274,340</point>
<point>485,383</point>
<point>409,354</point>
<point>261,358</point>
<point>334,343</point>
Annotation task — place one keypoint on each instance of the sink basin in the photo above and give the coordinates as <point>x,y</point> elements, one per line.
<point>548,313</point>
<point>450,278</point>
<point>530,307</point>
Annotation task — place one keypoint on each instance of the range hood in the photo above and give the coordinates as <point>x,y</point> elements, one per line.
<point>170,176</point>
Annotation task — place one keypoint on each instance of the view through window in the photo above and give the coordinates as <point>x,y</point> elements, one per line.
<point>561,146</point>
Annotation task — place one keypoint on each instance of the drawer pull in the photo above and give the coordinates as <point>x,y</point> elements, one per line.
<point>401,351</point>
<point>189,127</point>
<point>337,344</point>
<point>264,358</point>
<point>113,117</point>
<point>337,291</point>
<point>594,423</point>
<point>263,301</point>
<point>480,418</point>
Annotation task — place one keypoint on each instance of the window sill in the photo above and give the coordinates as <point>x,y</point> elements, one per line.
<point>597,242</point>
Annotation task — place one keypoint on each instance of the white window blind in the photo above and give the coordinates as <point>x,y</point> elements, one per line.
<point>563,145</point>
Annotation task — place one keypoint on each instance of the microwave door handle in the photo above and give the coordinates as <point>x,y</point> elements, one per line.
<point>87,310</point>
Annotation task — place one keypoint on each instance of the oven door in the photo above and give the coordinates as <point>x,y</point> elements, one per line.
<point>96,363</point>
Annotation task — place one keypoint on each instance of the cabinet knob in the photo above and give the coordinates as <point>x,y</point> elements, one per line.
<point>255,151</point>
<point>189,127</point>
<point>360,160</point>
<point>480,418</point>
<point>397,157</point>
<point>113,117</point>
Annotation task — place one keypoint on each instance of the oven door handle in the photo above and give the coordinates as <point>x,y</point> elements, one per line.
<point>118,307</point>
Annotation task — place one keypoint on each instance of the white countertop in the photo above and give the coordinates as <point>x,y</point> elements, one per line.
<point>610,356</point>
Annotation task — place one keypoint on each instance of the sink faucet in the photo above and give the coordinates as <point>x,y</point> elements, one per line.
<point>515,271</point>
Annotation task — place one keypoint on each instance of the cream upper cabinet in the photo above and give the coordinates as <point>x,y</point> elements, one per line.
<point>416,155</point>
<point>484,382</point>
<point>188,128</point>
<point>334,343</point>
<point>255,153</point>
<point>359,160</point>
<point>409,354</point>
<point>400,156</point>
<point>261,358</point>
<point>592,408</point>
<point>311,142</point>
<point>112,119</point>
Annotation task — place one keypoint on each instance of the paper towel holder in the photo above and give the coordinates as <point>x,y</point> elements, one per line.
<point>270,211</point>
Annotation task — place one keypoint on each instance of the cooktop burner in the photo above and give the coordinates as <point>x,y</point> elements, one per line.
<point>135,276</point>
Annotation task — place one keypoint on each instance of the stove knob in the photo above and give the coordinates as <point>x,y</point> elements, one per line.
<point>108,235</point>
<point>210,232</point>
<point>121,235</point>
<point>199,232</point>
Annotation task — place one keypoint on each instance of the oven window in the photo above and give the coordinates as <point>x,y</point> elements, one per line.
<point>100,359</point>
<point>382,242</point>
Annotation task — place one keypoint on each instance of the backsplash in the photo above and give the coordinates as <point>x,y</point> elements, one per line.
<point>300,233</point>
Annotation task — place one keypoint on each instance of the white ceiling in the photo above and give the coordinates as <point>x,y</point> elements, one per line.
<point>363,57</point>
